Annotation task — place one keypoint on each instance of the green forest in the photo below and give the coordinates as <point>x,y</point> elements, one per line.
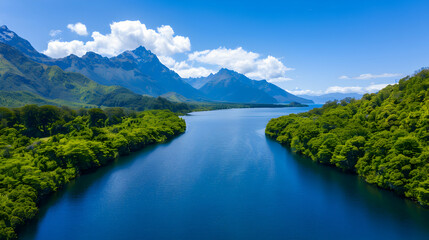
<point>383,137</point>
<point>44,147</point>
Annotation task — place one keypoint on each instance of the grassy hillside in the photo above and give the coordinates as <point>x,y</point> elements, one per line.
<point>20,98</point>
<point>19,73</point>
<point>383,137</point>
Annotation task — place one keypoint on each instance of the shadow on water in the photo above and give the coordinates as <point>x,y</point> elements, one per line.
<point>380,203</point>
<point>80,185</point>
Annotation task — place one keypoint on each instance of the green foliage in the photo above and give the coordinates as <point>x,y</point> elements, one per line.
<point>97,117</point>
<point>383,137</point>
<point>43,148</point>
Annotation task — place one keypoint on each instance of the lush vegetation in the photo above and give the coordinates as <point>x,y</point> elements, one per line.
<point>42,148</point>
<point>383,137</point>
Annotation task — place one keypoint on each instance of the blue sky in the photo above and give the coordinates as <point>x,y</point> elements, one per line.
<point>302,46</point>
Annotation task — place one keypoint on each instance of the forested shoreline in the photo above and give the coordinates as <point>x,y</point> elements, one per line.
<point>43,148</point>
<point>383,137</point>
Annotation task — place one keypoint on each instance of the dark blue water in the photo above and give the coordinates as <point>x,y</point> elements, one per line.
<point>223,179</point>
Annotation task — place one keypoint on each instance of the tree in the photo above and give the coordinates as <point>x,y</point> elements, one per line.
<point>30,115</point>
<point>47,116</point>
<point>97,117</point>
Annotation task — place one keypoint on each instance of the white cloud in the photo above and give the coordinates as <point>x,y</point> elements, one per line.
<point>128,35</point>
<point>248,63</point>
<point>124,35</point>
<point>167,61</point>
<point>305,92</point>
<point>78,28</point>
<point>337,89</point>
<point>280,80</point>
<point>54,33</point>
<point>184,69</point>
<point>367,76</point>
<point>194,72</point>
<point>57,48</point>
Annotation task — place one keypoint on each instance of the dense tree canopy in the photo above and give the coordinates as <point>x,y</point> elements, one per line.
<point>42,148</point>
<point>383,137</point>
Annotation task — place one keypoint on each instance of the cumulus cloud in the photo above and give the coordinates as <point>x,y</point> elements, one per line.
<point>367,76</point>
<point>184,69</point>
<point>248,63</point>
<point>128,35</point>
<point>78,28</point>
<point>298,91</point>
<point>194,72</point>
<point>55,33</point>
<point>279,80</point>
<point>57,48</point>
<point>337,89</point>
<point>124,35</point>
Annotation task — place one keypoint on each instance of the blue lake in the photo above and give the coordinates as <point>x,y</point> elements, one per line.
<point>223,179</point>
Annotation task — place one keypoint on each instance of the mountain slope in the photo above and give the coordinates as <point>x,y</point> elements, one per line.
<point>23,81</point>
<point>10,38</point>
<point>16,99</point>
<point>230,86</point>
<point>139,70</point>
<point>18,73</point>
<point>383,137</point>
<point>278,93</point>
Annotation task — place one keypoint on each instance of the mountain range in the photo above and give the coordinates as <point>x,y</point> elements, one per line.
<point>24,81</point>
<point>230,86</point>
<point>141,71</point>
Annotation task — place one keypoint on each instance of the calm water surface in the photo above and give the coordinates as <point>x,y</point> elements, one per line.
<point>223,179</point>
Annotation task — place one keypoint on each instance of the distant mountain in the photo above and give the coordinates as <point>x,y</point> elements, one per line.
<point>23,81</point>
<point>331,97</point>
<point>139,70</point>
<point>230,86</point>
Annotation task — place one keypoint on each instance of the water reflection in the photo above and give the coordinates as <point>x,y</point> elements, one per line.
<point>223,179</point>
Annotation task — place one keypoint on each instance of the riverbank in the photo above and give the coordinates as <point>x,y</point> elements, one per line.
<point>383,137</point>
<point>224,179</point>
<point>28,173</point>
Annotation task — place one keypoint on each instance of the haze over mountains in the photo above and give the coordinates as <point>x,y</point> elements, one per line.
<point>320,99</point>
<point>141,71</point>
